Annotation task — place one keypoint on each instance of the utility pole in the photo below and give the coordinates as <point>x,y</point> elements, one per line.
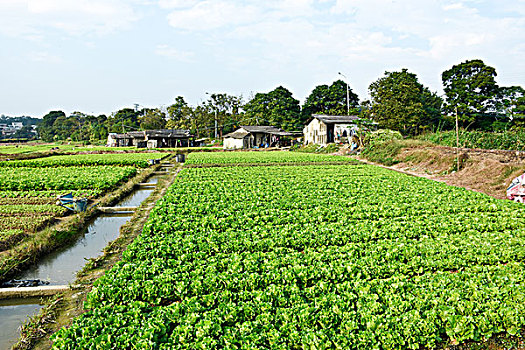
<point>215,122</point>
<point>347,93</point>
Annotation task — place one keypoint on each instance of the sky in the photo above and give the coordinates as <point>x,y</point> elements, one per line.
<point>98,56</point>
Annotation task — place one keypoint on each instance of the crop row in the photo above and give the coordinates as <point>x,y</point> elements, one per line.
<point>257,157</point>
<point>47,196</point>
<point>120,159</point>
<point>25,223</point>
<point>347,256</point>
<point>63,178</point>
<point>31,209</point>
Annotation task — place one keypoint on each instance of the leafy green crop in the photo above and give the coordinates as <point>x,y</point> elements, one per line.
<point>261,157</point>
<point>122,159</point>
<point>24,209</point>
<point>63,178</point>
<point>348,256</point>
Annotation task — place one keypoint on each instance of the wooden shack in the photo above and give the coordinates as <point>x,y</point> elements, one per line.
<point>151,138</point>
<point>256,136</point>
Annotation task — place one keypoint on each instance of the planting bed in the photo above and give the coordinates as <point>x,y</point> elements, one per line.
<point>131,159</point>
<point>259,157</point>
<point>30,187</point>
<point>321,256</point>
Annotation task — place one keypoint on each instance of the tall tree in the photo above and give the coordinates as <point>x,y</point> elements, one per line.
<point>152,119</point>
<point>400,102</point>
<point>471,89</point>
<point>276,108</point>
<point>179,114</point>
<point>225,108</point>
<point>330,100</point>
<point>126,119</point>
<point>45,128</point>
<point>511,100</point>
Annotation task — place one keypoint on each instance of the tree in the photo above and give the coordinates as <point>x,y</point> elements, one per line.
<point>330,100</point>
<point>124,120</point>
<point>45,128</point>
<point>511,101</point>
<point>276,108</point>
<point>225,108</point>
<point>152,119</point>
<point>471,89</point>
<point>400,102</point>
<point>25,133</point>
<point>179,114</point>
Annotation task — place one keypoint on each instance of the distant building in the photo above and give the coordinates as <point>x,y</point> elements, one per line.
<point>17,125</point>
<point>259,136</point>
<point>325,129</point>
<point>151,139</point>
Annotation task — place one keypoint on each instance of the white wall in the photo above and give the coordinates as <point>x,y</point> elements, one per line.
<point>315,132</point>
<point>231,143</point>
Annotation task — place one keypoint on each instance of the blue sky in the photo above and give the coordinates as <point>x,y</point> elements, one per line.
<point>97,56</point>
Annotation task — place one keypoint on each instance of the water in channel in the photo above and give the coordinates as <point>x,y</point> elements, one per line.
<point>61,266</point>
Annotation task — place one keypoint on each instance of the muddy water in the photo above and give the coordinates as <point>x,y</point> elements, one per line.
<point>61,266</point>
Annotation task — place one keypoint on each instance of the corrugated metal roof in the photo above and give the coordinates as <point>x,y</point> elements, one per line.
<point>238,134</point>
<point>164,133</point>
<point>265,129</point>
<point>332,119</point>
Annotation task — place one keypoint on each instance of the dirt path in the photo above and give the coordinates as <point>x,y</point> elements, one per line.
<point>485,171</point>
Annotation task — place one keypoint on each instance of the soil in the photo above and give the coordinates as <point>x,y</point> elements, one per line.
<point>486,171</point>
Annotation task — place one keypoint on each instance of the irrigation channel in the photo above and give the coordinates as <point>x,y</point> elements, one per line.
<point>61,266</point>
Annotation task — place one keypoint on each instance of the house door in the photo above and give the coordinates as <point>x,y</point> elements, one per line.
<point>330,133</point>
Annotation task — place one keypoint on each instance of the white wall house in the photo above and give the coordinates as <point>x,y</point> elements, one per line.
<point>325,129</point>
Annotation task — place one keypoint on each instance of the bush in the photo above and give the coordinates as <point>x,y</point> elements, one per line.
<point>510,140</point>
<point>313,148</point>
<point>381,136</point>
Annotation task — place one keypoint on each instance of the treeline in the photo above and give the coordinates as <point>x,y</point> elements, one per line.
<point>398,102</point>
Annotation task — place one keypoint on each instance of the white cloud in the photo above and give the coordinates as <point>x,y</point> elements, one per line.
<point>170,52</point>
<point>170,4</point>
<point>206,15</point>
<point>34,17</point>
<point>391,33</point>
<point>45,57</point>
<point>454,6</point>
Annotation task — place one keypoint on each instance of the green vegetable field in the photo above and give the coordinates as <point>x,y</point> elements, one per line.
<point>29,188</point>
<point>311,257</point>
<point>258,157</point>
<point>139,160</point>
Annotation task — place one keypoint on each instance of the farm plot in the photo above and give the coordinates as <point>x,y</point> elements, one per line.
<point>122,159</point>
<point>261,157</point>
<point>325,256</point>
<point>28,195</point>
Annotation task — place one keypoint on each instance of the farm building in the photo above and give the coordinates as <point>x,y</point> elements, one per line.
<point>151,138</point>
<point>258,136</point>
<point>325,129</point>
